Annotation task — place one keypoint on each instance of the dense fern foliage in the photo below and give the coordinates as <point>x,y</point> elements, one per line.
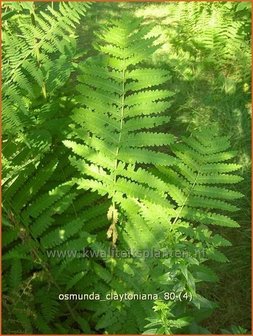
<point>39,48</point>
<point>112,220</point>
<point>34,56</point>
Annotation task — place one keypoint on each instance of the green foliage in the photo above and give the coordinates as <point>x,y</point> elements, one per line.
<point>92,165</point>
<point>234,330</point>
<point>107,136</point>
<point>37,47</point>
<point>203,163</point>
<point>164,322</point>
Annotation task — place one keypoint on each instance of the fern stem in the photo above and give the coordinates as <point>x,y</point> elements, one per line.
<point>37,51</point>
<point>72,203</point>
<point>121,127</point>
<point>186,198</point>
<point>112,231</point>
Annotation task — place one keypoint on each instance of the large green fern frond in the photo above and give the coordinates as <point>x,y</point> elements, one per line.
<point>200,184</point>
<point>121,103</point>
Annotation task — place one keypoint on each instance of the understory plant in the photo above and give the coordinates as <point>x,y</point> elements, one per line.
<point>97,170</point>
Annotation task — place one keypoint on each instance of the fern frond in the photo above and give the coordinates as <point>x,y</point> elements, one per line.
<point>199,180</point>
<point>110,133</point>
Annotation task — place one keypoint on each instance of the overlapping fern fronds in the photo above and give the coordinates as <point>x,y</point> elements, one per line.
<point>221,42</point>
<point>158,192</point>
<point>36,48</point>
